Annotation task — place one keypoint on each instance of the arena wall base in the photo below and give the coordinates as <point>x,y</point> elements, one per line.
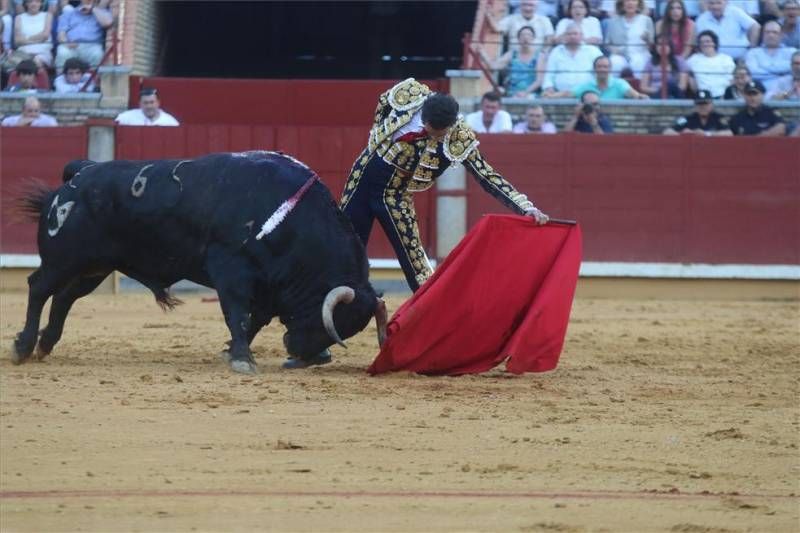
<point>687,289</point>
<point>15,279</point>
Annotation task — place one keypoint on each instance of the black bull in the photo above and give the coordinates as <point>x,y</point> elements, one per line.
<point>159,222</point>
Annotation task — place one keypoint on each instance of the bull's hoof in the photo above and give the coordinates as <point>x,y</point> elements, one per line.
<point>322,358</point>
<point>243,367</point>
<point>20,353</point>
<point>41,352</point>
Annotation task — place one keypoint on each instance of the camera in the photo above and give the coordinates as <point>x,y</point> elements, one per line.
<point>588,109</point>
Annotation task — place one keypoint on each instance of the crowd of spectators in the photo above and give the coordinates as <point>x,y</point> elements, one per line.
<point>754,118</point>
<point>664,49</point>
<point>62,39</point>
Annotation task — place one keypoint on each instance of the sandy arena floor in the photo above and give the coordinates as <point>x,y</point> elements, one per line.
<point>662,416</point>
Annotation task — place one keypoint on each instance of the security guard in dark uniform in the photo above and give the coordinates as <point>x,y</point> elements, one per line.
<point>704,121</point>
<point>415,137</point>
<point>756,118</point>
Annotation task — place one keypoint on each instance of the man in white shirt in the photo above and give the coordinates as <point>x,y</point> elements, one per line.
<point>490,118</point>
<point>149,112</point>
<point>569,64</point>
<point>535,122</point>
<point>772,59</point>
<point>31,115</point>
<point>527,16</point>
<point>736,29</point>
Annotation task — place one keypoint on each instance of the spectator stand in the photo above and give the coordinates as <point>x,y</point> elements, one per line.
<point>630,116</point>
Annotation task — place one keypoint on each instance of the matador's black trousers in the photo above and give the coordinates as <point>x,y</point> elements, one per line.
<point>376,189</point>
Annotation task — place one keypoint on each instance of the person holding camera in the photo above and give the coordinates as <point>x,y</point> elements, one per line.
<point>81,33</point>
<point>588,118</point>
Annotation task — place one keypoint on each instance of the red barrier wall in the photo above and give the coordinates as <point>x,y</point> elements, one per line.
<point>31,153</point>
<point>659,199</point>
<point>274,102</point>
<point>638,198</point>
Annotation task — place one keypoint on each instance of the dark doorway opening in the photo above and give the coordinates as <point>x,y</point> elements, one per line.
<point>351,39</point>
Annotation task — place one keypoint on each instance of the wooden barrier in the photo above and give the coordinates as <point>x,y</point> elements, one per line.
<point>679,200</point>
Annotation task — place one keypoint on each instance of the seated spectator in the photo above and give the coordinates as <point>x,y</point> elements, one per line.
<point>788,87</point>
<point>535,122</point>
<point>149,112</point>
<point>491,118</point>
<point>32,33</point>
<point>735,29</point>
<point>756,118</point>
<point>678,28</point>
<point>569,64</point>
<point>608,86</point>
<point>527,16</point>
<point>525,65</point>
<point>654,83</point>
<point>628,37</point>
<point>741,77</point>
<point>578,11</point>
<point>711,70</point>
<point>704,120</point>
<point>75,76</point>
<point>608,8</point>
<point>31,115</point>
<point>790,29</point>
<point>81,33</point>
<point>588,118</point>
<point>772,59</point>
<point>25,79</point>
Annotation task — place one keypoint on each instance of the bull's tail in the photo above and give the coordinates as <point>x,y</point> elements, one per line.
<point>33,197</point>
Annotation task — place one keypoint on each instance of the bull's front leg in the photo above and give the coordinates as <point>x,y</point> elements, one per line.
<point>234,279</point>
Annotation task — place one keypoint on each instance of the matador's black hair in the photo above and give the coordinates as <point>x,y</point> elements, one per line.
<point>440,111</point>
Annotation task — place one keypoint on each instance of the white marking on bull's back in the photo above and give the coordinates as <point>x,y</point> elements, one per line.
<point>139,182</point>
<point>175,173</point>
<point>62,212</point>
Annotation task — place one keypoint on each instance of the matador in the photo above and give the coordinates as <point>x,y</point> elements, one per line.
<point>416,135</point>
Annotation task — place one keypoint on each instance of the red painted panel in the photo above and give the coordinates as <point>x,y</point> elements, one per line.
<point>275,102</point>
<point>32,153</point>
<point>640,198</point>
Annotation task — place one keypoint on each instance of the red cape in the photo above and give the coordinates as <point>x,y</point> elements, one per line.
<point>504,292</point>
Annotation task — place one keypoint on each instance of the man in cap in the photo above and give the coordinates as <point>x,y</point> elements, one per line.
<point>704,120</point>
<point>756,118</point>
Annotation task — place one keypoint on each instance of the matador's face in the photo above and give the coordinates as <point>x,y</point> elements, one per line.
<point>434,133</point>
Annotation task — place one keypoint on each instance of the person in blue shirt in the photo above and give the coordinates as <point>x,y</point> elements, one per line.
<point>606,85</point>
<point>81,33</point>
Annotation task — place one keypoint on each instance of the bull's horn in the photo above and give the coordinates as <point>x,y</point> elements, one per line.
<point>336,295</point>
<point>381,318</point>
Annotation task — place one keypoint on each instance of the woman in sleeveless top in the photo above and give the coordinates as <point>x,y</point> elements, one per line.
<point>678,27</point>
<point>32,33</point>
<point>677,78</point>
<point>525,66</point>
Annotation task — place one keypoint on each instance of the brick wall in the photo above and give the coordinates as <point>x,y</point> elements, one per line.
<point>140,33</point>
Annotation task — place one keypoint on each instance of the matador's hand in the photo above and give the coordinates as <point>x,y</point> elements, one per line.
<point>537,215</point>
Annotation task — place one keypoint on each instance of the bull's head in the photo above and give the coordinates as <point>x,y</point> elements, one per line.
<point>344,312</point>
